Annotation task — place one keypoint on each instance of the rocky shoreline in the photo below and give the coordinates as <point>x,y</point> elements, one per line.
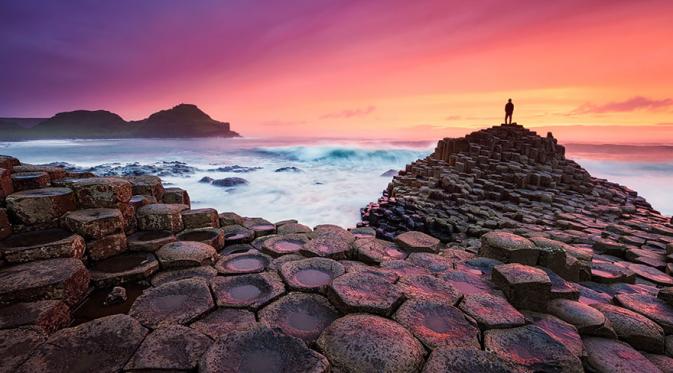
<point>496,253</point>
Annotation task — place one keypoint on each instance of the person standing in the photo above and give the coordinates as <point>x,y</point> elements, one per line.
<point>509,109</point>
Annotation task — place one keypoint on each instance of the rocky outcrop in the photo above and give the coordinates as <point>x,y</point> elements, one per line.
<point>184,120</point>
<point>494,254</point>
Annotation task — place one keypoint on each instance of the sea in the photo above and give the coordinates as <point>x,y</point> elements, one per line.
<point>315,181</point>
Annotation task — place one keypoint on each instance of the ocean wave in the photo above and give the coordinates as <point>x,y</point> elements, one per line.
<point>332,154</point>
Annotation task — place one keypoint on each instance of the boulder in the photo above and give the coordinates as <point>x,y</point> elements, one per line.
<point>247,291</point>
<point>40,206</point>
<point>98,192</point>
<point>524,286</point>
<point>173,347</point>
<point>178,302</point>
<point>635,329</point>
<point>273,352</point>
<point>94,223</point>
<point>200,218</point>
<point>107,246</point>
<point>588,320</point>
<point>609,355</point>
<point>30,180</point>
<point>230,182</point>
<point>176,196</point>
<point>39,245</point>
<point>300,315</point>
<point>436,324</point>
<point>230,218</point>
<point>147,185</point>
<point>509,248</point>
<point>532,348</point>
<point>414,242</point>
<point>161,217</point>
<point>182,254</point>
<point>63,279</point>
<point>366,343</point>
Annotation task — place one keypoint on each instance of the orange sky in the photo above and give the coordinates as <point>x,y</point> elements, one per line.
<point>366,69</point>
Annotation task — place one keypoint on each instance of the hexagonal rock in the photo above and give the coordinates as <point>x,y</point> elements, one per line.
<point>312,274</point>
<point>447,359</point>
<point>469,282</point>
<point>663,362</point>
<point>375,251</point>
<point>609,355</point>
<point>5,225</point>
<point>508,248</point>
<point>491,311</point>
<point>243,263</point>
<point>63,279</point>
<point>364,292</point>
<point>432,262</point>
<point>261,227</point>
<point>429,287</point>
<point>363,232</point>
<point>107,246</point>
<point>177,302</point>
<point>39,245</point>
<point>237,249</point>
<point>525,287</point>
<point>247,291</point>
<point>40,206</point>
<point>666,294</point>
<point>102,192</point>
<point>335,243</point>
<point>561,288</point>
<point>355,266</point>
<point>222,321</point>
<point>558,329</point>
<point>149,240</point>
<point>587,320</point>
<point>147,185</point>
<point>531,347</point>
<point>236,234</point>
<point>6,187</point>
<point>94,223</point>
<point>30,180</point>
<point>55,173</point>
<point>182,254</point>
<point>202,272</point>
<point>8,162</point>
<point>300,315</point>
<point>138,201</point>
<point>101,345</point>
<point>261,349</point>
<point>609,273</point>
<point>650,307</point>
<point>414,241</point>
<point>634,328</point>
<point>161,217</point>
<point>403,268</point>
<point>367,343</point>
<point>174,347</point>
<point>210,236</point>
<point>48,315</point>
<point>121,269</point>
<point>200,218</point>
<point>651,274</point>
<point>16,345</point>
<point>290,243</point>
<point>436,323</point>
<point>230,218</point>
<point>176,196</point>
<point>290,228</point>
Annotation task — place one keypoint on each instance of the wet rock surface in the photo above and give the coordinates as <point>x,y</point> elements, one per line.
<point>496,253</point>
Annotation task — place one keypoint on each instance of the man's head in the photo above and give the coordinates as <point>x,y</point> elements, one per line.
<point>509,100</point>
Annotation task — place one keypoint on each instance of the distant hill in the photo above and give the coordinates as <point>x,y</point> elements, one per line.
<point>184,120</point>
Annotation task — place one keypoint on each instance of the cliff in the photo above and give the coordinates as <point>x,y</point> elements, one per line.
<point>184,120</point>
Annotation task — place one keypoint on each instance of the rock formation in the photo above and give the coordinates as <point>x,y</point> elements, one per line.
<point>184,120</point>
<point>496,253</point>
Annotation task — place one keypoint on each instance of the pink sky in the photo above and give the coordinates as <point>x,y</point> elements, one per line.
<point>593,71</point>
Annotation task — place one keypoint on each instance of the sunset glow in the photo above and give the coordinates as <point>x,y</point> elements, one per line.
<point>393,69</point>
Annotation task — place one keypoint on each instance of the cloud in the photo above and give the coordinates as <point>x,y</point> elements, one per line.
<point>631,104</point>
<point>350,113</point>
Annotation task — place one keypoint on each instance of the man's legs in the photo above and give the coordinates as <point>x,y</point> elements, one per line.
<point>510,118</point>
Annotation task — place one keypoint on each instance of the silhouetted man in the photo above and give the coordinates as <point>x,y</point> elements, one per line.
<point>509,109</point>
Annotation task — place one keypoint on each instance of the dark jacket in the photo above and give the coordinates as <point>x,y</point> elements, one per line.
<point>509,108</point>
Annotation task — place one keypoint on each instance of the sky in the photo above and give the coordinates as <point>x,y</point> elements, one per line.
<point>591,71</point>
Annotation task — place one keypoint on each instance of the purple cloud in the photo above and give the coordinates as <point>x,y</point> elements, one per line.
<point>631,104</point>
<point>350,113</point>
